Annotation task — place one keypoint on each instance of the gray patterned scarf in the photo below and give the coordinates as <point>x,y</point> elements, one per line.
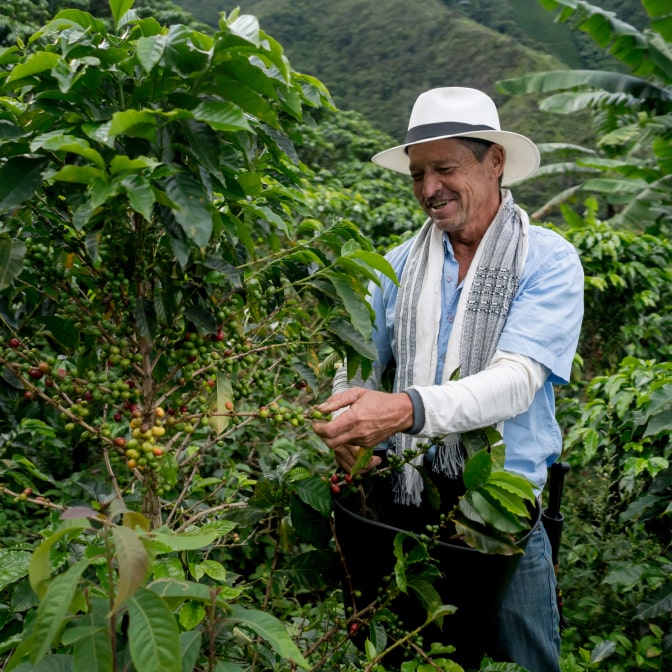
<point>488,290</point>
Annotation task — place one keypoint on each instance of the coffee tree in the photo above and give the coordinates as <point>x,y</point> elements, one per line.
<point>168,302</point>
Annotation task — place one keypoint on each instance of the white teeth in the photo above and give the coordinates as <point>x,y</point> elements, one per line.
<point>439,204</point>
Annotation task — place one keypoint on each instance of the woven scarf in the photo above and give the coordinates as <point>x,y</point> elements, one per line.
<point>488,290</point>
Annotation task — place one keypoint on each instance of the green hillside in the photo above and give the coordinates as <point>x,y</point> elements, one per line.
<point>376,57</point>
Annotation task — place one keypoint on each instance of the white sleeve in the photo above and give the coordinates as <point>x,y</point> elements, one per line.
<point>504,389</point>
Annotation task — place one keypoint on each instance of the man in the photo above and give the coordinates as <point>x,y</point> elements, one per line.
<point>485,321</point>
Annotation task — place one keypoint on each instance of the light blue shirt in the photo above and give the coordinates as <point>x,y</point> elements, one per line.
<point>543,324</point>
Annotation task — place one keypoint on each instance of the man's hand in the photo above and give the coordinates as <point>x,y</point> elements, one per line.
<point>372,418</point>
<point>346,457</point>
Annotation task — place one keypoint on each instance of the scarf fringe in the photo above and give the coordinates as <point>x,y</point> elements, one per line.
<point>407,488</point>
<point>449,459</point>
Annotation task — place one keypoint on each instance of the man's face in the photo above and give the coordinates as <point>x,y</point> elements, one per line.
<point>453,187</point>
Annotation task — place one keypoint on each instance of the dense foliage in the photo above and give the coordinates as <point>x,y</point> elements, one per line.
<point>619,582</point>
<point>167,303</point>
<point>175,290</point>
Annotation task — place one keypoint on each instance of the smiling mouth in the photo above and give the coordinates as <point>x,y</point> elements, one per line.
<point>437,204</point>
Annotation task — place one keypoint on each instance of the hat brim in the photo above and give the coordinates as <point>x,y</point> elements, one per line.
<point>522,155</point>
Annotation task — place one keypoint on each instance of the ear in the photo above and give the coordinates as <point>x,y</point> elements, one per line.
<point>497,158</point>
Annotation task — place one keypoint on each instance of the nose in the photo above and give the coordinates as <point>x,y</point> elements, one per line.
<point>430,184</point>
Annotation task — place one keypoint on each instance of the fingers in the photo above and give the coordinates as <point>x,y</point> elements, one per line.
<point>346,457</point>
<point>371,417</point>
<point>340,400</point>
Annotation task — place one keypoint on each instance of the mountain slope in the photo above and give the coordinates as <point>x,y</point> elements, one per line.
<point>376,57</point>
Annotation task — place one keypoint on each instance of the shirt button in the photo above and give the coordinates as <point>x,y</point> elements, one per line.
<point>449,278</point>
<point>451,318</point>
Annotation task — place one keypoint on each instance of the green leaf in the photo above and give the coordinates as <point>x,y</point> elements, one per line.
<point>191,614</point>
<point>191,207</point>
<point>221,396</point>
<point>177,591</point>
<point>427,595</point>
<point>222,116</point>
<point>154,637</point>
<point>54,608</point>
<point>35,63</point>
<point>13,566</point>
<point>499,519</point>
<point>345,332</point>
<point>125,164</point>
<point>247,28</point>
<point>505,498</point>
<point>215,570</point>
<point>271,629</point>
<point>140,195</point>
<point>515,484</point>
<point>477,470</point>
<point>40,567</point>
<point>656,604</point>
<point>602,651</point>
<point>132,563</point>
<point>145,318</point>
<point>78,175</point>
<point>190,643</point>
<point>56,141</point>
<point>400,561</point>
<point>167,568</point>
<point>20,176</point>
<point>357,269</point>
<point>94,651</point>
<point>119,8</point>
<point>364,456</point>
<point>377,261</point>
<point>193,539</point>
<point>149,51</point>
<point>315,493</point>
<point>662,422</point>
<point>484,541</point>
<point>358,309</point>
<point>12,254</point>
<point>133,123</point>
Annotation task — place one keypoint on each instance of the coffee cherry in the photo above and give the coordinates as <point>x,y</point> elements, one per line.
<point>335,489</point>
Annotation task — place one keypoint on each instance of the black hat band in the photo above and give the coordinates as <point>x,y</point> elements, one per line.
<point>427,131</point>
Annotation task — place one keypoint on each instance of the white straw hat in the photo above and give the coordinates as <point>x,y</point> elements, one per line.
<point>455,111</point>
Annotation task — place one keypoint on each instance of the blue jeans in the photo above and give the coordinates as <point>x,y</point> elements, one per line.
<point>528,621</point>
